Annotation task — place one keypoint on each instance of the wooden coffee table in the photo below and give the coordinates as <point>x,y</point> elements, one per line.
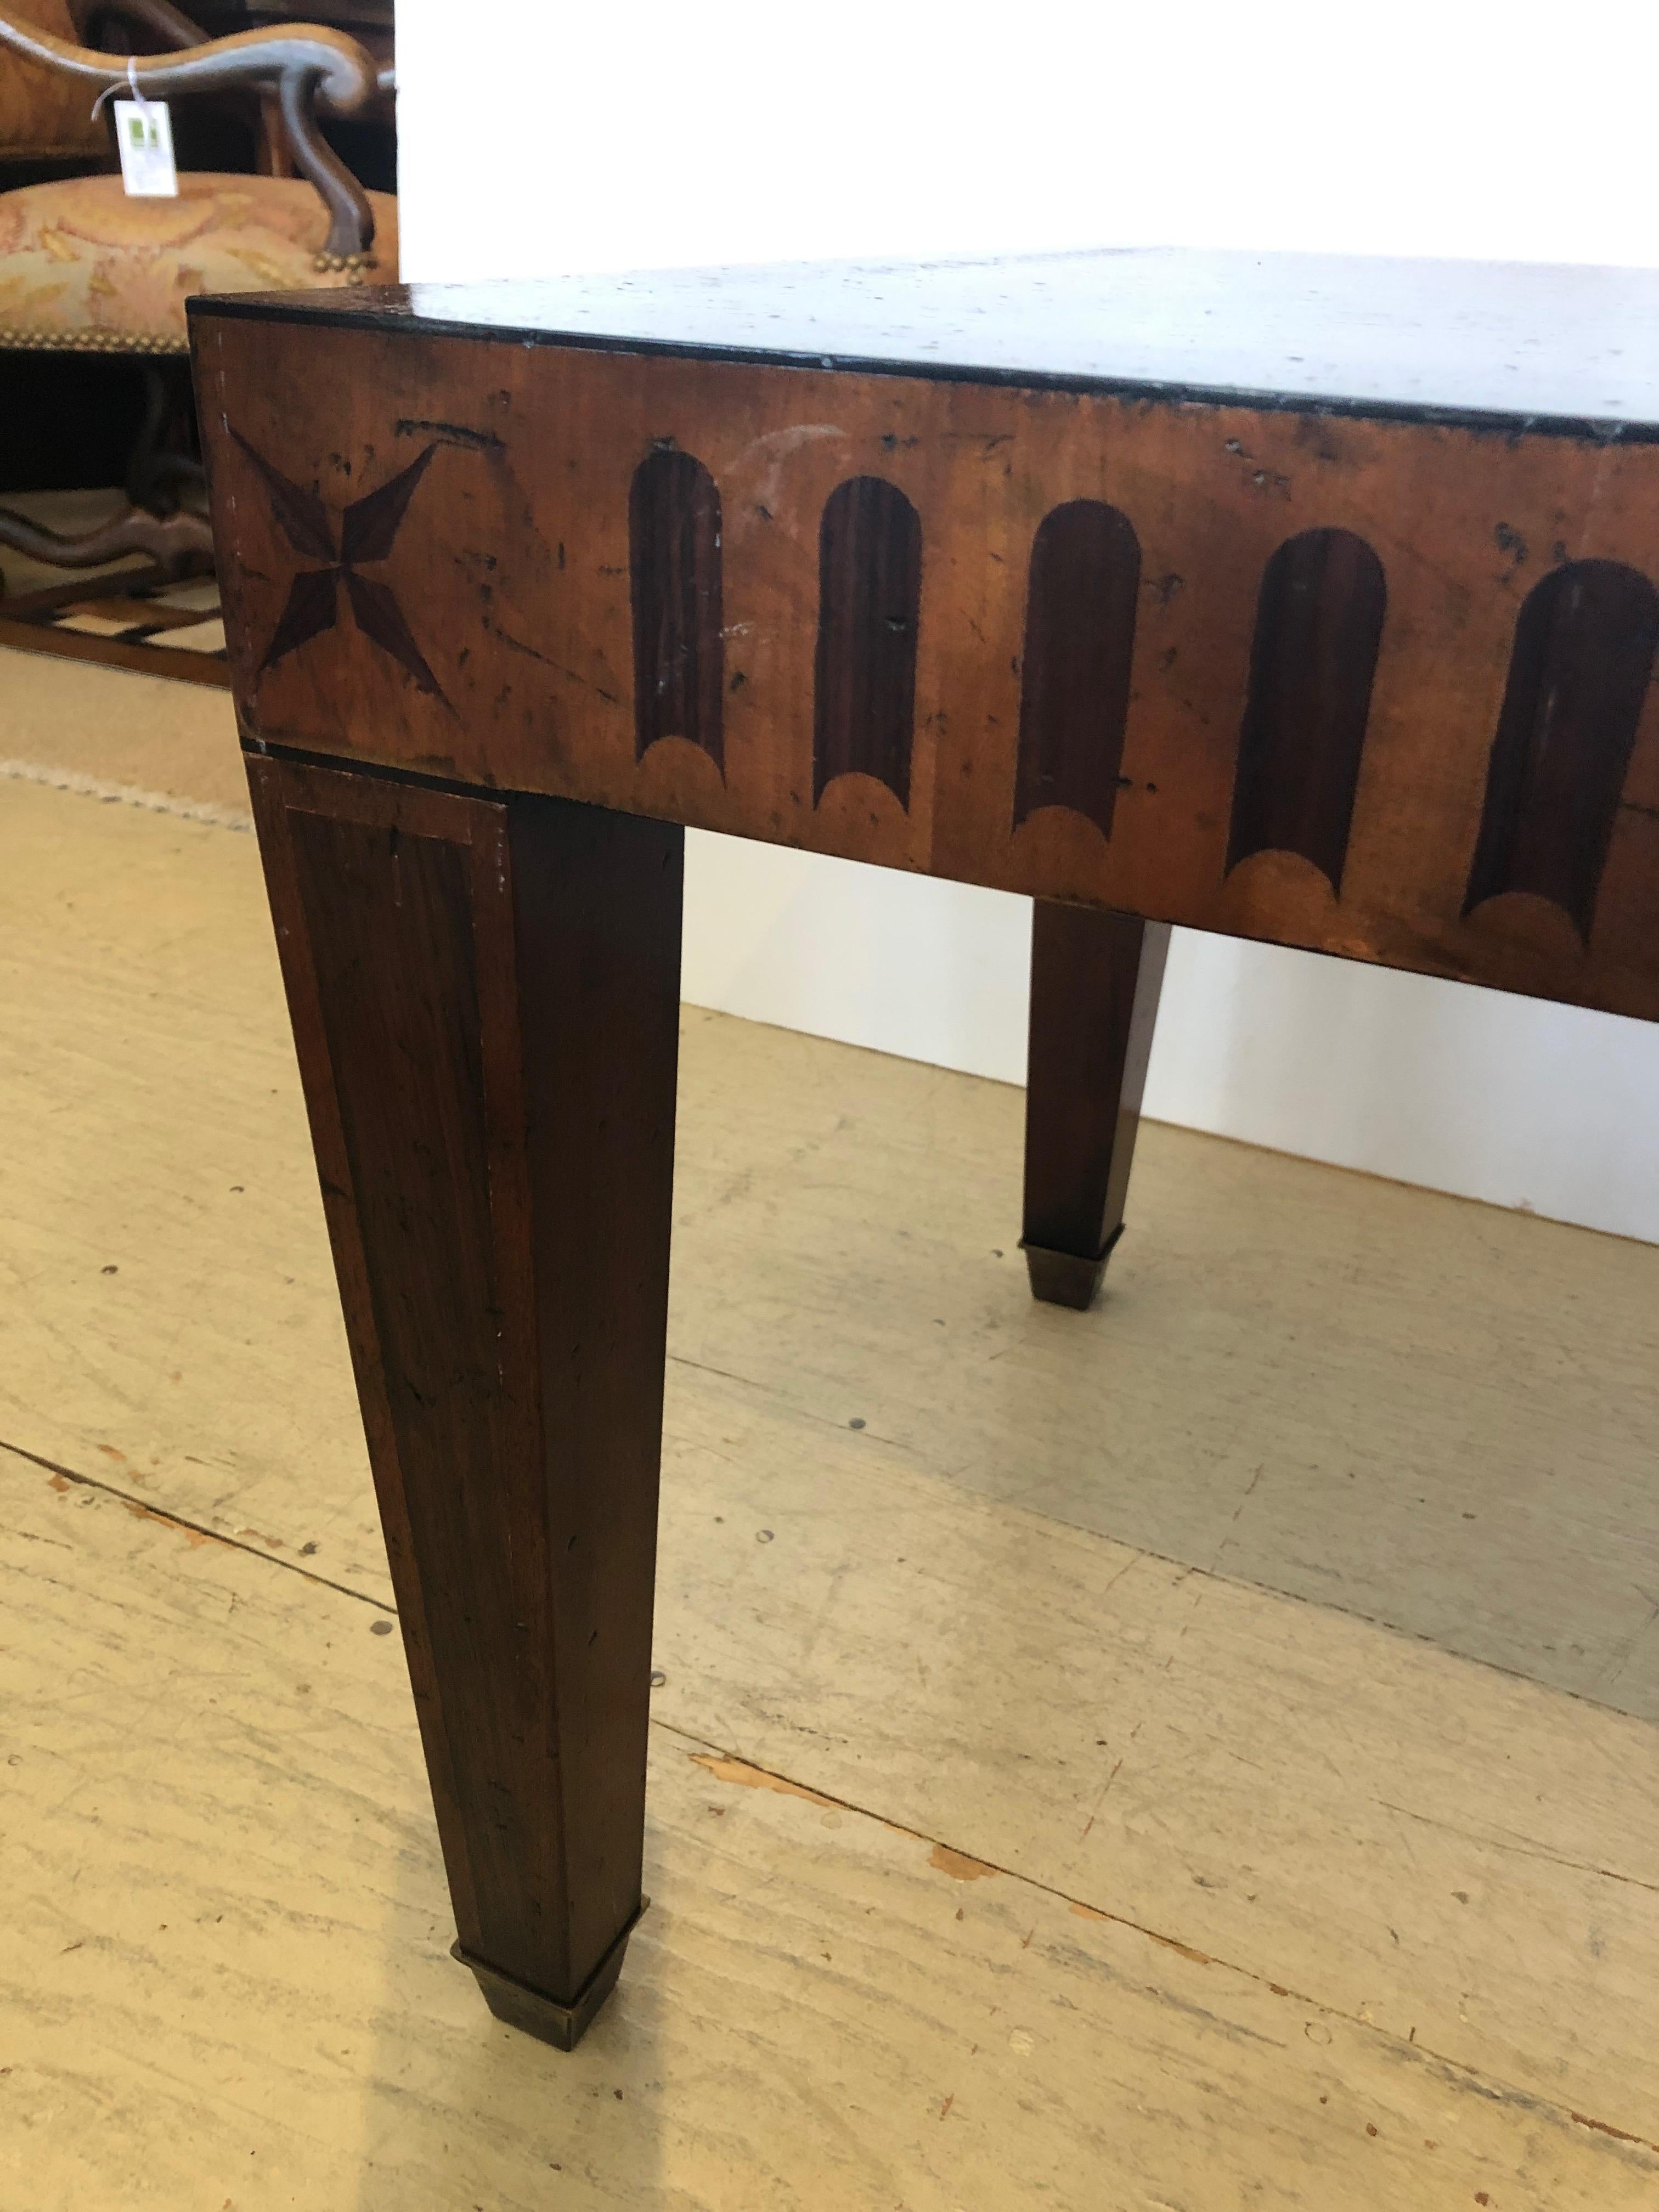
<point>1304,599</point>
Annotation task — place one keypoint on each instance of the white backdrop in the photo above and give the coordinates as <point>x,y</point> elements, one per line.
<point>546,138</point>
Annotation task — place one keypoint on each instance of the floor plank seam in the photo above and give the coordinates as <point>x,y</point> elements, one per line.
<point>714,1758</point>
<point>209,811</point>
<point>1522,1848</point>
<point>148,1511</point>
<point>769,1778</point>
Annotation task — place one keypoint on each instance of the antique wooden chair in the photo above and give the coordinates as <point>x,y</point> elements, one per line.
<point>48,128</point>
<point>85,269</point>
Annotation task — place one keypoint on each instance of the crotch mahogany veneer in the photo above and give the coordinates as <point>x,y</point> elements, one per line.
<point>1308,600</point>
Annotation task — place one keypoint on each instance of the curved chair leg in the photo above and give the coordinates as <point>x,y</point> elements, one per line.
<point>1095,984</point>
<point>162,473</point>
<point>177,541</point>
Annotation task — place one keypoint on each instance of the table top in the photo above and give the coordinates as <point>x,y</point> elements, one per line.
<point>1301,599</point>
<point>1514,343</point>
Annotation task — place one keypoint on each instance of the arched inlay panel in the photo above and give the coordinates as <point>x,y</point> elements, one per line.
<point>869,609</point>
<point>1585,642</point>
<point>674,570</point>
<point>1075,672</point>
<point>1318,625</point>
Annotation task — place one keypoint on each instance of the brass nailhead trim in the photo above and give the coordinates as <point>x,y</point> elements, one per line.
<point>353,267</point>
<point>90,341</point>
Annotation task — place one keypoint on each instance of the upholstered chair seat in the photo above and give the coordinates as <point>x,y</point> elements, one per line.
<point>84,268</point>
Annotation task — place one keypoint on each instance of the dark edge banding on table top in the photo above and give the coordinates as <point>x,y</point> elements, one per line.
<point>1454,293</point>
<point>242,306</point>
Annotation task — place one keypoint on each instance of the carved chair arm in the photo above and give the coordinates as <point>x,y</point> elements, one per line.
<point>107,25</point>
<point>306,67</point>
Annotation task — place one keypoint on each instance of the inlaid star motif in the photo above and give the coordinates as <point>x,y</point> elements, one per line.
<point>368,530</point>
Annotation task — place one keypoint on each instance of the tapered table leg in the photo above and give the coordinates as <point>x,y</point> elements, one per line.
<point>1095,984</point>
<point>485,1000</point>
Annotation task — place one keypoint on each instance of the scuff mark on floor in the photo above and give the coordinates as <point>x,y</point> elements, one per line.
<point>959,1865</point>
<point>756,1777</point>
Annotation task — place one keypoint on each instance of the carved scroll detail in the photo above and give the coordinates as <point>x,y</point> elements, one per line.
<point>174,539</point>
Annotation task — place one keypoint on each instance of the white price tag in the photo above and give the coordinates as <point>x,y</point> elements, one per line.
<point>143,131</point>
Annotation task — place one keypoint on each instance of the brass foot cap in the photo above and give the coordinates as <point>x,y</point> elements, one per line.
<point>1062,1278</point>
<point>564,2026</point>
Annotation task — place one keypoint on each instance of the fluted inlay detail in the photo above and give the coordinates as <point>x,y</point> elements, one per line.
<point>674,569</point>
<point>1584,644</point>
<point>1318,628</point>
<point>869,611</point>
<point>1075,672</point>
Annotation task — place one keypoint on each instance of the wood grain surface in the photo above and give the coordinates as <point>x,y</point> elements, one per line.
<point>1077,661</point>
<point>679,640</point>
<point>1330,684</point>
<point>1096,979</point>
<point>485,1001</point>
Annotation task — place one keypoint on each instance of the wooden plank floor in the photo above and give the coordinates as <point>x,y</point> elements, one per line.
<point>1435,1415</point>
<point>998,1859</point>
<point>225,1978</point>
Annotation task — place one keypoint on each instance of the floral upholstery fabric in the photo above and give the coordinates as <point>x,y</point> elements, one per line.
<point>84,268</point>
<point>43,115</point>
